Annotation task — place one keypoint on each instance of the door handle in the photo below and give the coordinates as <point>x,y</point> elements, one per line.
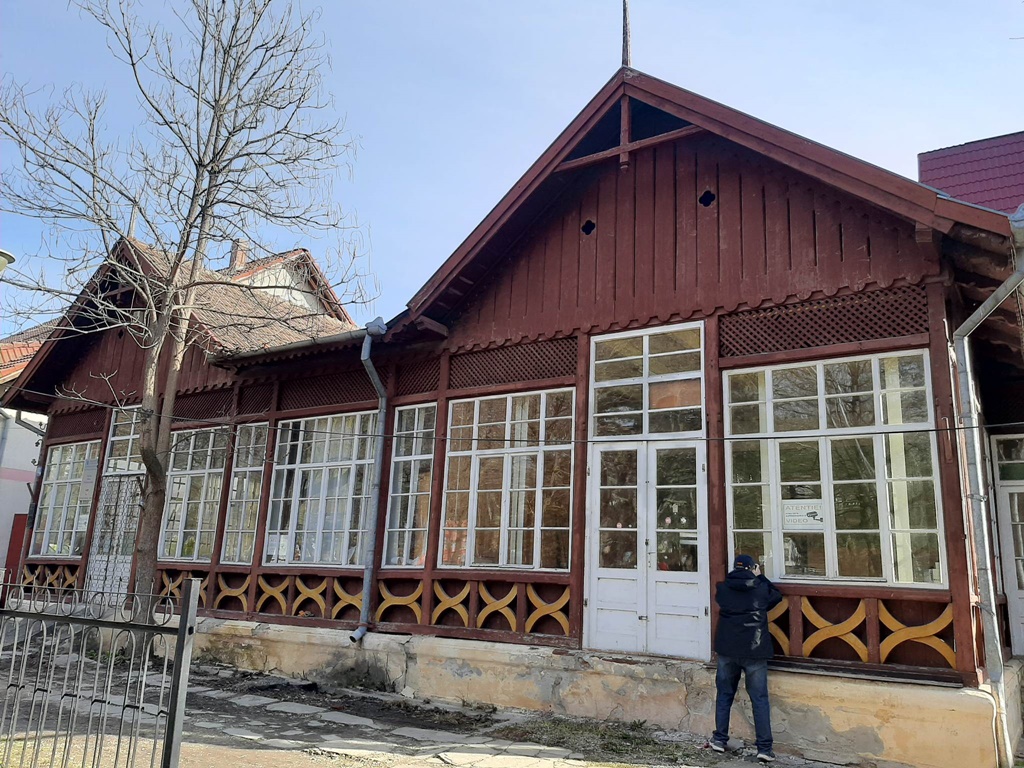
<point>642,618</point>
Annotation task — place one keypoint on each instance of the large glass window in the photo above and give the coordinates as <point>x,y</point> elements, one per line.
<point>246,488</point>
<point>194,479</point>
<point>411,471</point>
<point>320,496</point>
<point>838,477</point>
<point>649,382</point>
<point>508,486</point>
<point>65,499</point>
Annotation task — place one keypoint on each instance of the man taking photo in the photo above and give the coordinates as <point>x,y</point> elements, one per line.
<point>743,645</point>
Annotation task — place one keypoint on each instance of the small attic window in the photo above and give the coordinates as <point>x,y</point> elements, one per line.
<point>707,198</point>
<point>588,227</point>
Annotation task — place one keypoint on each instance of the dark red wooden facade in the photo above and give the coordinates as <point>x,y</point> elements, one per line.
<point>783,261</point>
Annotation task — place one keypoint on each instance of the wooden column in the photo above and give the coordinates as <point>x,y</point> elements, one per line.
<point>718,518</point>
<point>958,546</point>
<point>436,487</point>
<point>259,544</point>
<point>581,451</point>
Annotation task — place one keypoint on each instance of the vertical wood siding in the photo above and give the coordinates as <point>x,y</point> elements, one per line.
<point>770,235</point>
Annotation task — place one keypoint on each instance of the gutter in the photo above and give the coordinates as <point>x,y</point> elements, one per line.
<point>977,501</point>
<point>374,329</point>
<point>353,335</point>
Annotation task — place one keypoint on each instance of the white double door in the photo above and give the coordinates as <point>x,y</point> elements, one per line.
<point>647,555</point>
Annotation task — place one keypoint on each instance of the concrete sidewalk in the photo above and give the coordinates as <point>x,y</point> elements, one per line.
<point>239,717</point>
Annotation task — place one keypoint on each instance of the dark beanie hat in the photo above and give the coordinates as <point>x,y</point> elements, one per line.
<point>743,561</point>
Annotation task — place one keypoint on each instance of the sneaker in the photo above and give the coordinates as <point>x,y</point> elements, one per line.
<point>718,746</point>
<point>766,756</point>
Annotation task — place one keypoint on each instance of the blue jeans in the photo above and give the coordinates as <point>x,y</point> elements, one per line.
<point>727,681</point>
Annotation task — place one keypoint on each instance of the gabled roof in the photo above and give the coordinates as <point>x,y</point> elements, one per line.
<point>18,349</point>
<point>987,172</point>
<point>678,113</point>
<point>301,262</point>
<point>232,318</point>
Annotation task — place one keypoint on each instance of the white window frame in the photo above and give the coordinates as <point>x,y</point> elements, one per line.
<point>210,475</point>
<point>67,469</point>
<point>249,458</point>
<point>326,434</point>
<point>646,379</point>
<point>422,452</point>
<point>507,454</point>
<point>131,462</point>
<point>879,433</point>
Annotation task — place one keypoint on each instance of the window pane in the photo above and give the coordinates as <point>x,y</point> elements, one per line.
<point>618,549</point>
<point>486,552</point>
<point>676,466</point>
<point>849,376</point>
<point>554,549</point>
<point>680,363</point>
<point>749,461</point>
<point>909,455</point>
<point>795,415</point>
<point>916,558</point>
<point>799,462</point>
<point>748,419</point>
<point>853,459</point>
<point>675,341</point>
<point>676,552</point>
<point>853,411</point>
<point>757,545</point>
<point>859,555</point>
<point>856,506</point>
<point>555,509</point>
<point>905,407</point>
<point>687,420</point>
<point>682,393</point>
<point>618,468</point>
<point>618,508</point>
<point>677,508</point>
<point>795,382</point>
<point>903,371</point>
<point>609,349</point>
<point>746,387</point>
<point>612,370</point>
<point>751,506</point>
<point>619,425</point>
<point>912,504</point>
<point>805,554</point>
<point>628,397</point>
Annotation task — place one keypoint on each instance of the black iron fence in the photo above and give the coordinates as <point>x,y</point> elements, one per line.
<point>93,678</point>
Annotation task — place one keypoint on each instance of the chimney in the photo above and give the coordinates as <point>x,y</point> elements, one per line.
<point>239,254</point>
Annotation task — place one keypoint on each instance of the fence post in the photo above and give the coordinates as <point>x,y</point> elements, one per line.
<point>179,679</point>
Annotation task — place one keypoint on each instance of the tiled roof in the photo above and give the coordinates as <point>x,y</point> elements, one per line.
<point>242,319</point>
<point>16,350</point>
<point>988,172</point>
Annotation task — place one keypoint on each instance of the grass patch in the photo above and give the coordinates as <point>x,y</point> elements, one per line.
<point>615,742</point>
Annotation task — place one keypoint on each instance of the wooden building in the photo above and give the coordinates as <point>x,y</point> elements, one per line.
<point>683,334</point>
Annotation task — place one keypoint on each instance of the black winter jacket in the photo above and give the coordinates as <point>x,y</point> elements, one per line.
<point>744,601</point>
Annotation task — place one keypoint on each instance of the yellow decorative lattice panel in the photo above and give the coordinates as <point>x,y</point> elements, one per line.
<point>450,602</point>
<point>496,605</point>
<point>268,591</point>
<point>344,598</point>
<point>542,608</point>
<point>240,592</point>
<point>923,633</point>
<point>316,594</point>
<point>390,600</point>
<point>843,630</point>
<point>775,629</point>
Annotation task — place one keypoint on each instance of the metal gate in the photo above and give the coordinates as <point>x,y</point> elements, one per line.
<point>93,678</point>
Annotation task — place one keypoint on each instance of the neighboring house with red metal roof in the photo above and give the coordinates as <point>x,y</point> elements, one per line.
<point>988,172</point>
<point>19,440</point>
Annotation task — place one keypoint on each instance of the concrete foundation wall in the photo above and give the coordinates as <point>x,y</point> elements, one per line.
<point>836,719</point>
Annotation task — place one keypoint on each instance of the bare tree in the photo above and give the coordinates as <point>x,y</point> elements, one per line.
<point>236,137</point>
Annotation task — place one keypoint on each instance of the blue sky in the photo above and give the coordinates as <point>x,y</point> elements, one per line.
<point>452,100</point>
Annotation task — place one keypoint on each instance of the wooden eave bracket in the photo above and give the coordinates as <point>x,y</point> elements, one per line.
<point>426,324</point>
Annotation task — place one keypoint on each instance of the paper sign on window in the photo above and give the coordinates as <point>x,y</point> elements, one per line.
<point>803,515</point>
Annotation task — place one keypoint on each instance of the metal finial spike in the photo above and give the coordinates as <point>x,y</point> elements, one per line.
<point>626,53</point>
<point>131,221</point>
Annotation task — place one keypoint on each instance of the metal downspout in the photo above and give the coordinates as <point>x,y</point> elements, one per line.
<point>977,500</point>
<point>374,329</point>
